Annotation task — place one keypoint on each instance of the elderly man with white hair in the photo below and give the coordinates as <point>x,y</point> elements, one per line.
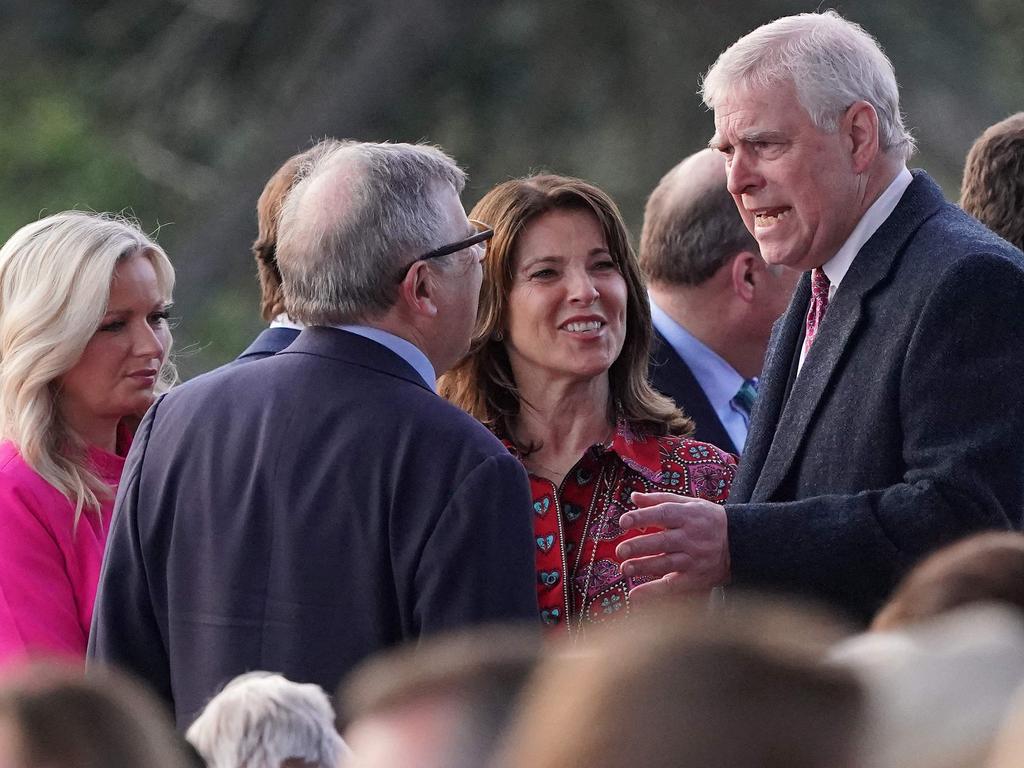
<point>889,418</point>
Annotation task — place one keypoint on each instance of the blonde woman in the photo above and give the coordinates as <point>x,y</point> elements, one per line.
<point>83,352</point>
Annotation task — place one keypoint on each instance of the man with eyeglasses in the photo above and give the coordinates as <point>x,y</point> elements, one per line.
<point>300,512</point>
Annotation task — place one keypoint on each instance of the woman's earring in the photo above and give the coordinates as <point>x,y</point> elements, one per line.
<point>498,335</point>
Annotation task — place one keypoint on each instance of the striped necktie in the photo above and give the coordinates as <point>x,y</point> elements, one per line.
<point>743,401</point>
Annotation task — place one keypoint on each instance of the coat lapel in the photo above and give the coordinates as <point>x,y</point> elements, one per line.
<point>874,262</point>
<point>355,349</point>
<point>772,392</point>
<point>672,376</point>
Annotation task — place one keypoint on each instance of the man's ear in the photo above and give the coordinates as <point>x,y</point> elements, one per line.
<point>746,271</point>
<point>859,125</point>
<point>416,291</point>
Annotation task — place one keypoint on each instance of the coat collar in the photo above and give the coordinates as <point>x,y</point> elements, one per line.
<point>270,342</point>
<point>635,447</point>
<point>337,344</point>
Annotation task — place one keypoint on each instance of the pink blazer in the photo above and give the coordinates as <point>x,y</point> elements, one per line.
<point>48,568</point>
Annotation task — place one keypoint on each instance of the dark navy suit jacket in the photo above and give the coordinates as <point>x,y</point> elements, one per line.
<point>905,428</point>
<point>671,376</point>
<point>301,512</point>
<point>269,342</point>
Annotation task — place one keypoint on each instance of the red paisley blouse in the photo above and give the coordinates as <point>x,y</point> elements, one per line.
<point>576,524</point>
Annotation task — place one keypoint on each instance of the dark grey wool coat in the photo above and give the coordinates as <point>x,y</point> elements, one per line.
<point>904,430</point>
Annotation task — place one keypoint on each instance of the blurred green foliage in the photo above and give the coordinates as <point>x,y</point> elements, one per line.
<point>55,156</point>
<point>179,110</point>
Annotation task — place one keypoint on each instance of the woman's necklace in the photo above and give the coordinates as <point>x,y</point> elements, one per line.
<point>557,475</point>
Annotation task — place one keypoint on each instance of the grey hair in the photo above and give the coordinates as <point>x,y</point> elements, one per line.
<point>262,720</point>
<point>831,62</point>
<point>359,212</point>
<point>691,226</point>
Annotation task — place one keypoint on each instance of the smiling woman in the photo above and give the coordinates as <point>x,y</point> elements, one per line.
<point>558,369</point>
<point>83,353</point>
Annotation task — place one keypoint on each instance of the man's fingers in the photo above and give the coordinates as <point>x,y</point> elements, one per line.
<point>649,544</point>
<point>650,499</point>
<point>670,515</point>
<point>657,565</point>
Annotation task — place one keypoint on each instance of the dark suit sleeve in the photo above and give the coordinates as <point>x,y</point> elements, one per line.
<point>125,631</point>
<point>477,566</point>
<point>962,428</point>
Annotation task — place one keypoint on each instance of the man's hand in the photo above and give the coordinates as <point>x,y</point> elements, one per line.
<point>689,555</point>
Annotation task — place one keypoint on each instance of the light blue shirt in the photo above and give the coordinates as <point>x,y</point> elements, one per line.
<point>719,380</point>
<point>404,349</point>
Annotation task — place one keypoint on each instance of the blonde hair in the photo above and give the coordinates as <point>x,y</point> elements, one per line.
<point>55,277</point>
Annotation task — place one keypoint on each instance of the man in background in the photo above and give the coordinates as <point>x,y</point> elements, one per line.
<point>283,330</point>
<point>713,299</point>
<point>993,185</point>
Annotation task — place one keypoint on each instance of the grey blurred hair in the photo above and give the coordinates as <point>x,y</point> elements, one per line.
<point>359,212</point>
<point>831,62</point>
<point>262,720</point>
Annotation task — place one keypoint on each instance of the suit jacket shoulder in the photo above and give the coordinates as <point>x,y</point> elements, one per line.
<point>269,342</point>
<point>671,376</point>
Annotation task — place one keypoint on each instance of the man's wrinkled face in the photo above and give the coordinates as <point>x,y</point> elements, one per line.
<point>794,184</point>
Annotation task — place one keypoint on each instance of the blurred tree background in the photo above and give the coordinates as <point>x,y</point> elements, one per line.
<point>178,110</point>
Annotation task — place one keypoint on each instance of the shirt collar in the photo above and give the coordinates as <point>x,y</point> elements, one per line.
<point>719,380</point>
<point>638,449</point>
<point>634,446</point>
<point>404,349</point>
<point>283,321</point>
<point>835,269</point>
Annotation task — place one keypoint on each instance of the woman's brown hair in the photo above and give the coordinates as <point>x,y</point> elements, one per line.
<point>482,383</point>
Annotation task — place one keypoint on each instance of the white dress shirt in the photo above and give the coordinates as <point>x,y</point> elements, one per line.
<point>835,269</point>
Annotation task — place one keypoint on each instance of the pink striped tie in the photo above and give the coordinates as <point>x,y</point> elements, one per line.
<point>819,303</point>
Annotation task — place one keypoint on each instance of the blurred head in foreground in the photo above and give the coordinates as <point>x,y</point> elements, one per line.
<point>680,688</point>
<point>987,567</point>
<point>937,691</point>
<point>441,704</point>
<point>53,717</point>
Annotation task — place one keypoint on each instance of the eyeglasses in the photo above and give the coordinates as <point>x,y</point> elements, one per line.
<point>483,233</point>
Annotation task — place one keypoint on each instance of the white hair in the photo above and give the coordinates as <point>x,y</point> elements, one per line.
<point>55,277</point>
<point>261,720</point>
<point>831,62</point>
<point>357,214</point>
